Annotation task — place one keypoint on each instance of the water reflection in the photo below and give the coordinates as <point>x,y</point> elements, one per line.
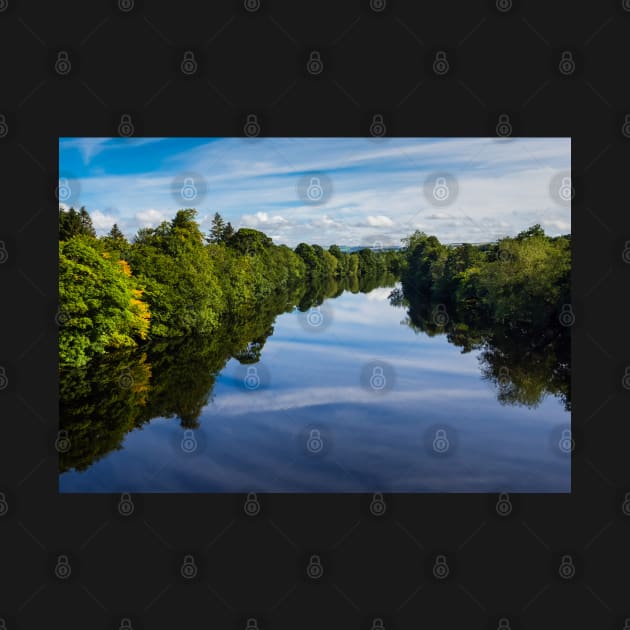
<point>310,378</point>
<point>103,401</point>
<point>524,363</point>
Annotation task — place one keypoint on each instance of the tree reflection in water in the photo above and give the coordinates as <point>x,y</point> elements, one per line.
<point>524,362</point>
<point>173,378</point>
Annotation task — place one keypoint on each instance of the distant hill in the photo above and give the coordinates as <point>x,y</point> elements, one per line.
<point>386,248</point>
<point>381,248</point>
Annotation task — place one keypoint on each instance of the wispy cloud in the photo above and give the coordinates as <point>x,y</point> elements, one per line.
<point>377,191</point>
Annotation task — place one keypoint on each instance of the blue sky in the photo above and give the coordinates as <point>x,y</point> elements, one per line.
<point>374,190</point>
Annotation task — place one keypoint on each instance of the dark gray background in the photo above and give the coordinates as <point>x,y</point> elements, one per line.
<point>374,62</point>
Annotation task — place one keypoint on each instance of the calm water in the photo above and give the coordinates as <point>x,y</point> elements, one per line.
<point>348,398</point>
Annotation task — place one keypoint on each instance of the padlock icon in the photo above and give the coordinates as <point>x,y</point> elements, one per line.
<point>315,443</point>
<point>377,505</point>
<point>566,191</point>
<point>625,505</point>
<point>125,505</point>
<point>63,570</point>
<point>377,624</point>
<point>567,63</point>
<point>189,190</point>
<point>314,65</point>
<point>566,316</point>
<point>377,128</point>
<point>566,570</point>
<point>625,381</point>
<point>189,442</point>
<point>61,318</point>
<point>251,5</point>
<point>125,127</point>
<point>62,443</point>
<point>252,380</point>
<point>440,316</point>
<point>125,380</point>
<point>441,190</point>
<point>504,377</point>
<point>189,568</point>
<point>252,126</point>
<point>440,568</point>
<point>441,443</point>
<point>62,63</point>
<point>63,189</point>
<point>125,624</point>
<point>4,128</point>
<point>252,505</point>
<point>504,126</point>
<point>315,317</point>
<point>315,192</point>
<point>504,505</point>
<point>252,624</point>
<point>189,63</point>
<point>625,255</point>
<point>566,443</point>
<point>625,128</point>
<point>314,569</point>
<point>504,5</point>
<point>4,379</point>
<point>4,254</point>
<point>4,506</point>
<point>504,624</point>
<point>125,5</point>
<point>440,63</point>
<point>378,380</point>
<point>377,5</point>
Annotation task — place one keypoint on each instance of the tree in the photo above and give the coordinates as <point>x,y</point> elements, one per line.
<point>86,222</point>
<point>217,231</point>
<point>249,241</point>
<point>115,234</point>
<point>228,232</point>
<point>100,300</point>
<point>73,223</point>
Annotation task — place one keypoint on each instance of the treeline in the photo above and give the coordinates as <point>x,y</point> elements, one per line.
<point>507,299</point>
<point>174,281</point>
<point>518,280</point>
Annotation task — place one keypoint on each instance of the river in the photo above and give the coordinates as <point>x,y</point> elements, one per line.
<point>345,397</point>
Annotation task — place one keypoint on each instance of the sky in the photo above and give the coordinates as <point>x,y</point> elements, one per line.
<point>349,191</point>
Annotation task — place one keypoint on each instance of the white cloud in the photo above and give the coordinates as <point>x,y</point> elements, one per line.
<point>262,218</point>
<point>151,217</point>
<point>379,221</point>
<point>102,221</point>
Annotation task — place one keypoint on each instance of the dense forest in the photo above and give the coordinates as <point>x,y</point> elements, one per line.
<point>174,281</point>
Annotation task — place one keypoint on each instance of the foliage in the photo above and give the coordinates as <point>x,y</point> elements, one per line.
<point>100,302</point>
<point>504,299</point>
<point>122,390</point>
<point>171,281</point>
<point>73,223</point>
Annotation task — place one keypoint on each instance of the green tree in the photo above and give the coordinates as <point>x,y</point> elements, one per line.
<point>217,230</point>
<point>100,302</point>
<point>73,223</point>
